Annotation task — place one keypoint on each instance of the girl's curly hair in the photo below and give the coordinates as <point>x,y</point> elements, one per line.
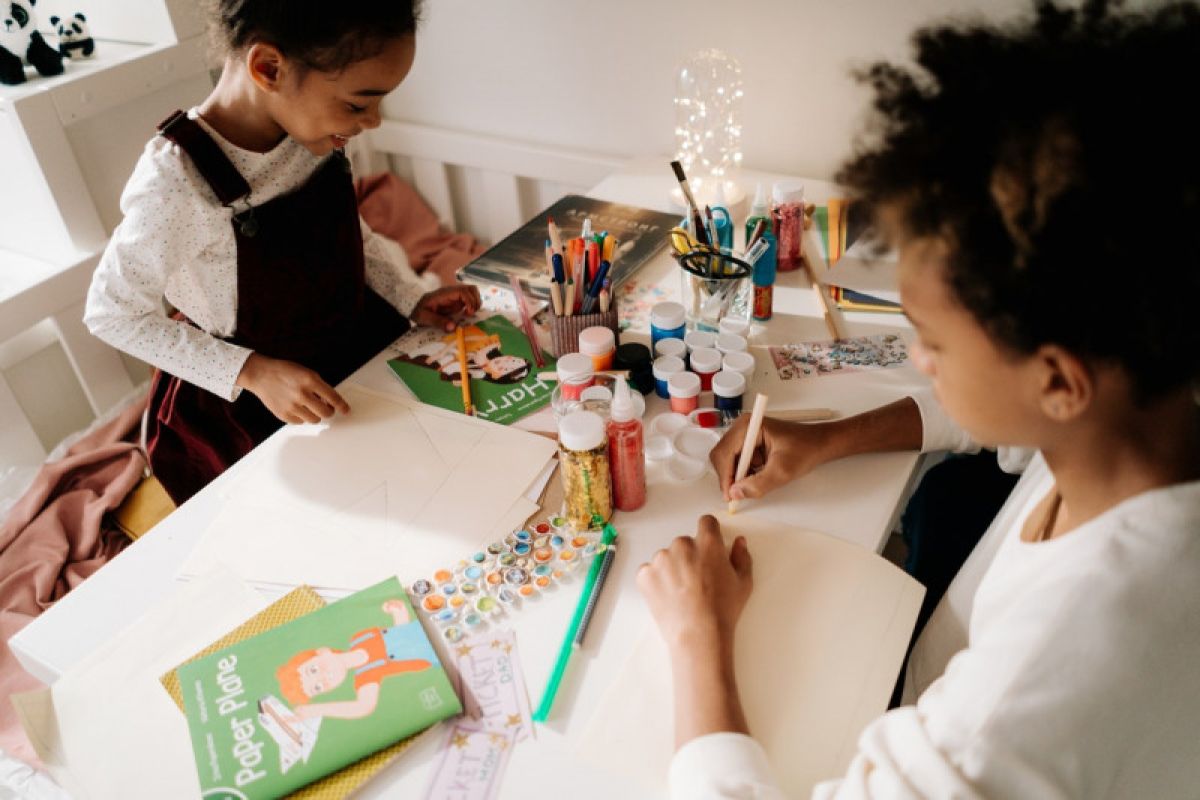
<point>1059,158</point>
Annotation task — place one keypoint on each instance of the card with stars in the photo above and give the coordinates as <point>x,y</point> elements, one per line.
<point>493,684</point>
<point>472,765</point>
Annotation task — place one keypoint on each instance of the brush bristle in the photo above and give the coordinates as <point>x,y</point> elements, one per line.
<point>679,176</point>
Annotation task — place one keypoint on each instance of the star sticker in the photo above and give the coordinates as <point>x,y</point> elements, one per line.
<point>464,650</point>
<point>460,740</point>
<point>496,644</point>
<point>499,740</point>
<point>507,648</point>
<point>513,719</point>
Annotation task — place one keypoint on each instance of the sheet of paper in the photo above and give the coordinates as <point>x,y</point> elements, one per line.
<point>818,649</point>
<point>107,728</point>
<point>862,270</point>
<point>343,504</point>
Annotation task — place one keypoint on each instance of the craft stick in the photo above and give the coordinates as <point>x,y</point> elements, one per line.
<point>464,373</point>
<point>829,311</point>
<point>803,414</point>
<point>749,443</point>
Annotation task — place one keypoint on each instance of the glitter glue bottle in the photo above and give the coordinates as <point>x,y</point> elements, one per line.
<point>626,452</point>
<point>583,462</point>
<point>758,211</point>
<point>764,281</point>
<point>787,223</point>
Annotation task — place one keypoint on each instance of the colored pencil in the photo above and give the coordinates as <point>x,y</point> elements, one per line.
<point>463,372</point>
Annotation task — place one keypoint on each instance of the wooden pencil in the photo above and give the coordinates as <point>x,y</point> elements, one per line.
<point>749,443</point>
<point>464,373</point>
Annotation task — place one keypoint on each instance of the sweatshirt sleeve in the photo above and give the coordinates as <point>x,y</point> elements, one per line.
<point>938,431</point>
<point>722,766</point>
<point>125,305</point>
<point>390,274</point>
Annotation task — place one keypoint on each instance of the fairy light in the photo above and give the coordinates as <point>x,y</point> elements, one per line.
<point>708,133</point>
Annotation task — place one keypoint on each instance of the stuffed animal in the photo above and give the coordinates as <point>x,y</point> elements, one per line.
<point>20,41</point>
<point>74,38</point>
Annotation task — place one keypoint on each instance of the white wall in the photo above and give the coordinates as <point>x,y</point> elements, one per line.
<point>600,76</point>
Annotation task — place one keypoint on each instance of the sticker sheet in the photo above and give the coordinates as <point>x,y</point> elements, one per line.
<point>841,356</point>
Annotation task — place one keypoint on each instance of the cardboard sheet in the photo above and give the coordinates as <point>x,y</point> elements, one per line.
<point>341,505</point>
<point>818,649</point>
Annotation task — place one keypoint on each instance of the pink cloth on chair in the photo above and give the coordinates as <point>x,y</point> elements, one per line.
<point>393,208</point>
<point>54,538</point>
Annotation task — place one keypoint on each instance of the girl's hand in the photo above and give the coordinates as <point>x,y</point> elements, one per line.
<point>291,392</point>
<point>787,451</point>
<point>696,590</point>
<point>442,308</point>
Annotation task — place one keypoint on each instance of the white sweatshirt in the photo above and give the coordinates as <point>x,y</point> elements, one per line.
<point>1068,668</point>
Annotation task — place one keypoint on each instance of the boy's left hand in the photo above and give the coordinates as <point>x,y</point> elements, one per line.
<point>696,589</point>
<point>442,308</point>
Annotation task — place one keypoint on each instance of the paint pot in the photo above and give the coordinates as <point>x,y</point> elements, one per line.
<point>473,620</point>
<point>740,362</point>
<point>469,587</point>
<point>515,576</point>
<point>695,443</point>
<point>486,604</point>
<point>696,339</point>
<point>560,525</point>
<point>522,535</point>
<point>707,417</point>
<point>706,362</point>
<point>542,528</point>
<point>728,389</point>
<point>735,326</point>
<point>442,575</point>
<point>575,373</point>
<point>599,344</point>
<point>506,595</point>
<point>473,573</point>
<point>635,358</point>
<point>730,343</point>
<point>666,424</point>
<point>684,469</point>
<point>453,634</point>
<point>684,389</point>
<point>522,548</point>
<point>670,347</point>
<point>445,616</point>
<point>664,368</point>
<point>434,602</point>
<point>449,589</point>
<point>668,320</point>
<point>421,587</point>
<point>658,447</point>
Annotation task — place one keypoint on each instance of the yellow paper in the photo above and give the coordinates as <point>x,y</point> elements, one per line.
<point>818,649</point>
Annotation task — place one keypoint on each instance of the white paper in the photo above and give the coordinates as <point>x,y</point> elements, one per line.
<point>107,728</point>
<point>818,649</point>
<point>860,270</point>
<point>344,504</point>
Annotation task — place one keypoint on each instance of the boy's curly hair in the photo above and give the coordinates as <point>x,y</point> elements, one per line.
<point>1059,158</point>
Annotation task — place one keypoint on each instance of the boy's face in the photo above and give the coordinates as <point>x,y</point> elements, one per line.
<point>322,110</point>
<point>991,392</point>
<point>321,673</point>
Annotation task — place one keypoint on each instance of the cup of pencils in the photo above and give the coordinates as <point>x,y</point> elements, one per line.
<point>580,289</point>
<point>715,284</point>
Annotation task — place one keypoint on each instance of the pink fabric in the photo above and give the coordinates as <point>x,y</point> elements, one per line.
<point>54,538</point>
<point>393,208</point>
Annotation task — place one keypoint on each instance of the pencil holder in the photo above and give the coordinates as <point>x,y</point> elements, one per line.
<point>714,286</point>
<point>564,331</point>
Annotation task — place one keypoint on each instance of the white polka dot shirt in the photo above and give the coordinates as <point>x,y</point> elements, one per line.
<point>176,242</point>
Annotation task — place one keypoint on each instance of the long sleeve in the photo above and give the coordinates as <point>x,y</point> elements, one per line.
<point>390,274</point>
<point>125,302</point>
<point>722,766</point>
<point>939,432</point>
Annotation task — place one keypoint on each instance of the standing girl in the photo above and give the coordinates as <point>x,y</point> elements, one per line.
<point>241,213</point>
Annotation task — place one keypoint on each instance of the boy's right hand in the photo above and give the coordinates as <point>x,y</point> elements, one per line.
<point>786,451</point>
<point>293,393</point>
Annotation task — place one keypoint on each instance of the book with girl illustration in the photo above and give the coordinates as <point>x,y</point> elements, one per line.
<point>281,709</point>
<point>505,379</point>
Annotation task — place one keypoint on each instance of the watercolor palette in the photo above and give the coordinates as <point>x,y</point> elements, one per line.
<point>501,576</point>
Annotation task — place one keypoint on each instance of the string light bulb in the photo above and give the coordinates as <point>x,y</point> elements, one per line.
<point>708,129</point>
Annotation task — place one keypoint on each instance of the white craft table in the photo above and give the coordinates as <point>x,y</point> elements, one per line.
<point>857,499</point>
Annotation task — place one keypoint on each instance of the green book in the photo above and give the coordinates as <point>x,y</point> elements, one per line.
<point>279,710</point>
<point>505,379</point>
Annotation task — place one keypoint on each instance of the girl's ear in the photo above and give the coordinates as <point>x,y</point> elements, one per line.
<point>1068,384</point>
<point>265,64</point>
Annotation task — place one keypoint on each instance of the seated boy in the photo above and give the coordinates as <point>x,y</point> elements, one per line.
<point>1008,171</point>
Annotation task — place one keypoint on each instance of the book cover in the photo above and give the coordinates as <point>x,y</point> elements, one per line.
<point>505,379</point>
<point>841,227</point>
<point>640,232</point>
<point>279,710</point>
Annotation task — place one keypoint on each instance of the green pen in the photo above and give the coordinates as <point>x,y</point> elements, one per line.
<point>568,646</point>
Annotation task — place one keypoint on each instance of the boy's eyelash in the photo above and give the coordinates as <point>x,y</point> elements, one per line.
<point>356,109</point>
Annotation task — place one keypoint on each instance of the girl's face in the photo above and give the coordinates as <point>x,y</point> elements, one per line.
<point>990,391</point>
<point>322,110</point>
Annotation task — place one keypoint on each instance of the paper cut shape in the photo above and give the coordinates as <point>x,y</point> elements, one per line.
<point>818,649</point>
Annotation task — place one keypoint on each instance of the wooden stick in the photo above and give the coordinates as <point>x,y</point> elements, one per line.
<point>464,372</point>
<point>749,443</point>
<point>803,414</point>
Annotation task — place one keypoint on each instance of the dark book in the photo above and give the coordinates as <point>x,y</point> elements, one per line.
<point>640,232</point>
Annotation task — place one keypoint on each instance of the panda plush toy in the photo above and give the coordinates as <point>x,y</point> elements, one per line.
<point>74,38</point>
<point>20,41</point>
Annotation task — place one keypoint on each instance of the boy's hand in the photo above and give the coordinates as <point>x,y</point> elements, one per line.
<point>291,392</point>
<point>696,590</point>
<point>786,451</point>
<point>442,308</point>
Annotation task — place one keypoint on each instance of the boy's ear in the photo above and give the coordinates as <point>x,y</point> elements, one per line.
<point>1068,384</point>
<point>265,63</point>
